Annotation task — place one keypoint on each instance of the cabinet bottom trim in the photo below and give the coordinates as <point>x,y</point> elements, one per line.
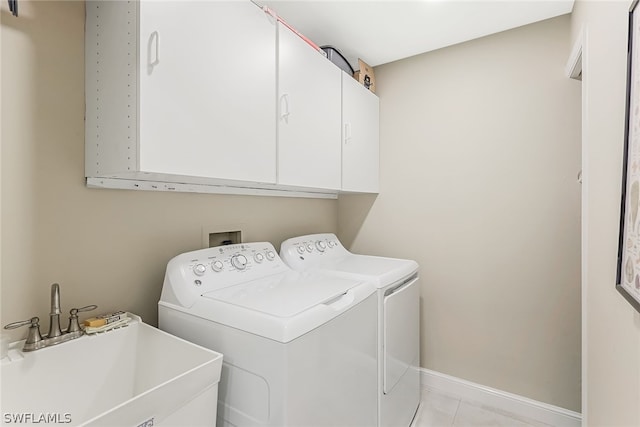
<point>131,184</point>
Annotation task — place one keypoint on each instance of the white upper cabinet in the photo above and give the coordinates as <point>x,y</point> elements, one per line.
<point>360,137</point>
<point>200,101</point>
<point>207,90</point>
<point>309,115</point>
<point>217,96</point>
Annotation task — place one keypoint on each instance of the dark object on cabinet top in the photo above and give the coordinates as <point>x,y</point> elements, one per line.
<point>336,57</point>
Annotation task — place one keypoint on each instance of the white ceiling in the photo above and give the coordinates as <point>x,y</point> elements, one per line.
<point>383,31</point>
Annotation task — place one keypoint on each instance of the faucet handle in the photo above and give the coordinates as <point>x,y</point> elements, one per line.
<point>75,311</point>
<point>74,325</point>
<point>34,330</point>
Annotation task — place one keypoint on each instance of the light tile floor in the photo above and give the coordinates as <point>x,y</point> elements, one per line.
<point>443,410</point>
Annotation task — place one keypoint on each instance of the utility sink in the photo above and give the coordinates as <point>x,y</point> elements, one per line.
<point>134,376</point>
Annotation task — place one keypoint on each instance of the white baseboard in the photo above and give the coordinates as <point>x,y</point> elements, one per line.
<point>513,403</point>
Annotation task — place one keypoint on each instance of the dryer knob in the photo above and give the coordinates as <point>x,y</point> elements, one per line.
<point>332,243</point>
<point>309,247</point>
<point>321,245</point>
<point>300,249</point>
<point>199,269</point>
<point>271,255</point>
<point>258,257</point>
<point>239,261</point>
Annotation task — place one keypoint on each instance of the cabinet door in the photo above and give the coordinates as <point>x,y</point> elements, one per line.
<point>207,90</point>
<point>309,115</point>
<point>360,138</point>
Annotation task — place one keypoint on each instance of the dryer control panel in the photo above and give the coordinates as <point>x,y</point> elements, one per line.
<point>191,274</point>
<point>312,250</point>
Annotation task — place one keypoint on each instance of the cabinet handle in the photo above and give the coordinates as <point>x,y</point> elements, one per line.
<point>284,108</point>
<point>347,133</point>
<point>153,51</point>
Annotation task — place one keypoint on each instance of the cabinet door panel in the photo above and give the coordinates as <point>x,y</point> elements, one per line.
<point>360,138</point>
<point>309,115</point>
<point>207,90</point>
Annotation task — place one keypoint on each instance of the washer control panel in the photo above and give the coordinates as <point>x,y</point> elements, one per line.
<point>308,251</point>
<point>219,267</point>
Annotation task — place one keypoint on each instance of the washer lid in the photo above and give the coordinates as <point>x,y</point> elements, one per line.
<point>284,295</point>
<point>281,307</point>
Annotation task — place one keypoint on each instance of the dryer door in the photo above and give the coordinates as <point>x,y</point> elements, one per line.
<point>401,337</point>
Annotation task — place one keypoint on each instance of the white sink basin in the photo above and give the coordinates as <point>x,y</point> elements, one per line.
<point>133,376</point>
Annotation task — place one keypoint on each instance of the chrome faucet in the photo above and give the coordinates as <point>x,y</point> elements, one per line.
<point>36,341</point>
<point>54,316</point>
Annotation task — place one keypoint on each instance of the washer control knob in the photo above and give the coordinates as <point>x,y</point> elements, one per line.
<point>239,261</point>
<point>331,243</point>
<point>199,269</point>
<point>309,247</point>
<point>300,249</point>
<point>217,266</point>
<point>258,257</point>
<point>321,245</point>
<point>271,255</point>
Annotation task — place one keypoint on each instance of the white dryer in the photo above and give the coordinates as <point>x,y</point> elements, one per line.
<point>299,348</point>
<point>398,295</point>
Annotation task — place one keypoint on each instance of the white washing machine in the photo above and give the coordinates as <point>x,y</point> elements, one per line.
<point>398,295</point>
<point>299,348</point>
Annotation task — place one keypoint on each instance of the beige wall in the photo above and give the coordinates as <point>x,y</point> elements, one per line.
<point>103,246</point>
<point>480,149</point>
<point>612,326</point>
